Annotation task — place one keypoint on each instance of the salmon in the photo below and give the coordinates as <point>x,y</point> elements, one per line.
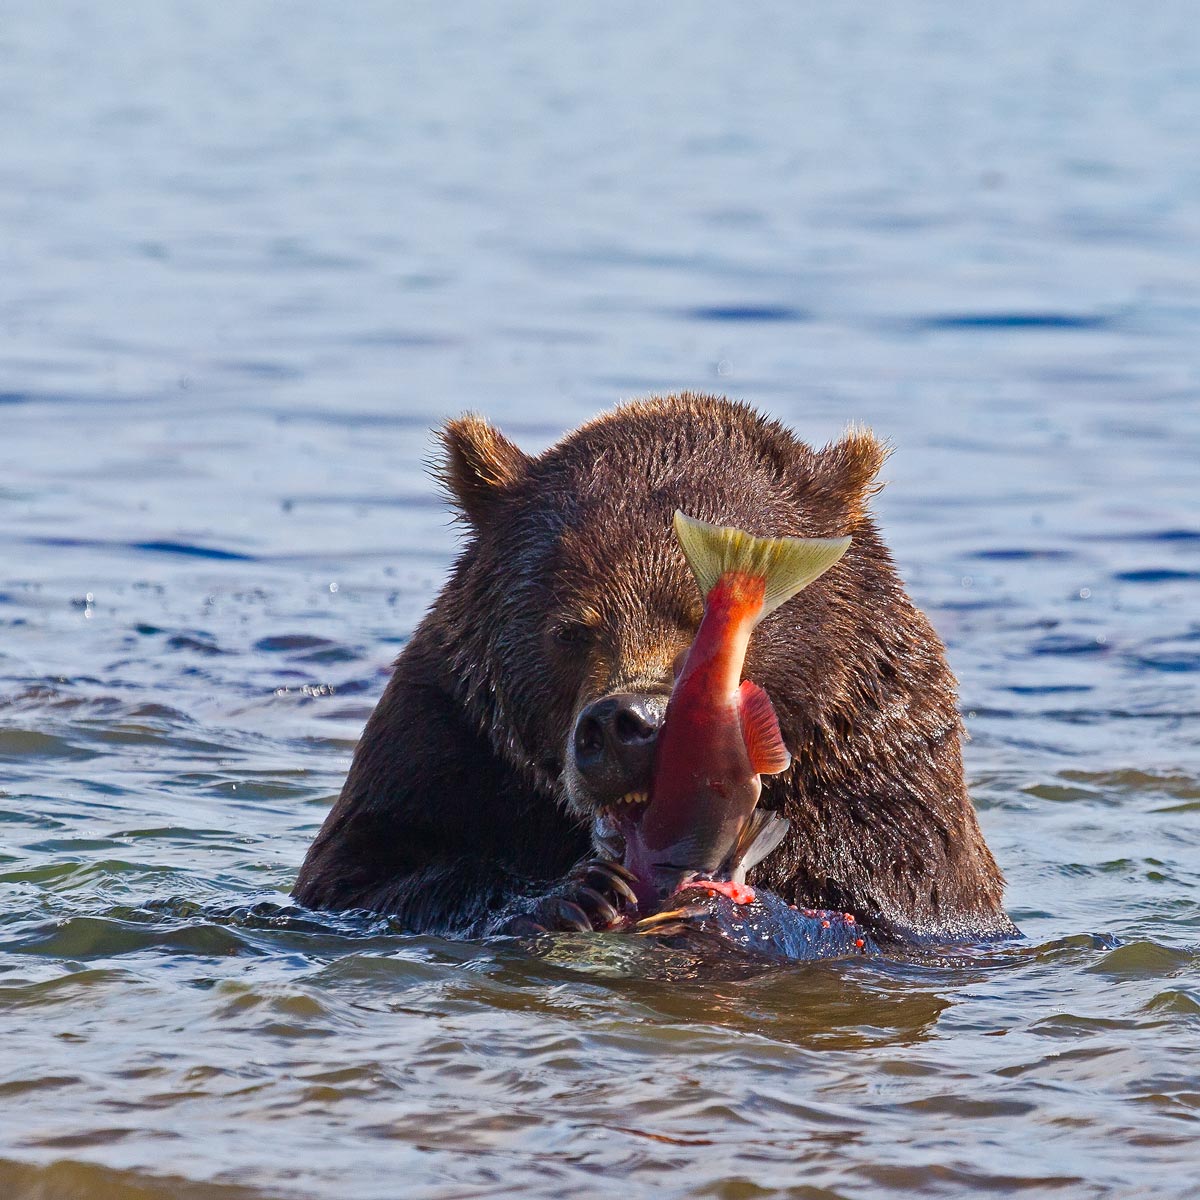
<point>703,916</point>
<point>720,733</point>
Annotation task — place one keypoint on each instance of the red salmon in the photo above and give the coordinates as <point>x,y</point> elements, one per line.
<point>720,733</point>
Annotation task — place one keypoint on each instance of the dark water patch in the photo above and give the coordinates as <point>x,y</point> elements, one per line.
<point>30,817</point>
<point>1181,1102</point>
<point>307,648</point>
<point>153,713</point>
<point>291,642</point>
<point>73,1180</point>
<point>1117,866</point>
<point>69,986</point>
<point>94,874</point>
<point>970,1110</point>
<point>329,656</point>
<point>1156,575</point>
<point>746,313</point>
<point>1187,807</point>
<point>71,845</point>
<point>81,938</point>
<point>1072,949</point>
<point>310,943</point>
<point>1145,960</point>
<point>905,1180</point>
<point>1181,1002</point>
<point>1082,1027</point>
<point>104,1136</point>
<point>1069,644</point>
<point>1178,536</point>
<point>144,735</point>
<point>1005,322</point>
<point>22,745</point>
<point>368,973</point>
<point>342,927</point>
<point>184,834</point>
<point>185,549</point>
<point>58,695</point>
<point>196,641</point>
<point>1132,781</point>
<point>241,789</point>
<point>1050,689</point>
<point>39,396</point>
<point>17,1087</point>
<point>1025,555</point>
<point>1168,661</point>
<point>192,550</point>
<point>975,604</point>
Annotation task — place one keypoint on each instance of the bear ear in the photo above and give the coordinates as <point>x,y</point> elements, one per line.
<point>480,465</point>
<point>847,469</point>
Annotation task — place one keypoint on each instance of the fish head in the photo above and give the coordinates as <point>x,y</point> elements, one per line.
<point>656,872</point>
<point>666,847</point>
<point>722,853</point>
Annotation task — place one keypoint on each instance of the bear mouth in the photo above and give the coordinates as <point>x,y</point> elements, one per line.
<point>631,800</point>
<point>615,819</point>
<point>624,809</point>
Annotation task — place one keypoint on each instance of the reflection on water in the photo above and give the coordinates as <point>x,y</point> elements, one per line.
<point>251,260</point>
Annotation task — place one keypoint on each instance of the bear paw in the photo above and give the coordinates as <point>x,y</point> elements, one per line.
<point>595,896</point>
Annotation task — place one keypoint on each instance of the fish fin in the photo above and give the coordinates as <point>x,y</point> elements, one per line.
<point>785,564</point>
<point>762,832</point>
<point>760,731</point>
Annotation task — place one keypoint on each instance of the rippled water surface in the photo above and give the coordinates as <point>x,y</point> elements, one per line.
<point>250,253</point>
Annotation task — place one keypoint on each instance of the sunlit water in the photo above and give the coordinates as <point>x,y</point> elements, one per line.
<point>250,253</point>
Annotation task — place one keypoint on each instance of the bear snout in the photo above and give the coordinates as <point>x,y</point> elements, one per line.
<point>612,748</point>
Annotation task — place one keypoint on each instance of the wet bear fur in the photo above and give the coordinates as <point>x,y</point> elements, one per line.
<point>571,586</point>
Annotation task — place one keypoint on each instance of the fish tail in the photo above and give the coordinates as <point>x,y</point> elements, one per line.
<point>786,565</point>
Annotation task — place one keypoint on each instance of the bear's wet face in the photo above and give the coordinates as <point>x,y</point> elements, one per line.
<point>599,605</point>
<point>614,657</point>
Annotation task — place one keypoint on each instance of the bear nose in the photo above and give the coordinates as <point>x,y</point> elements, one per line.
<point>614,742</point>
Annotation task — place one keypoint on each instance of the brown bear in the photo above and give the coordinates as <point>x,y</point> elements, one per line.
<point>528,700</point>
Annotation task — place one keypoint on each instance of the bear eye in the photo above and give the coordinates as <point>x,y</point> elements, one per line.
<point>572,634</point>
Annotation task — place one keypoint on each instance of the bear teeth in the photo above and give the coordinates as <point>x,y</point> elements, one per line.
<point>634,798</point>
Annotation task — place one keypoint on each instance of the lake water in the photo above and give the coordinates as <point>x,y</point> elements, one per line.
<point>249,255</point>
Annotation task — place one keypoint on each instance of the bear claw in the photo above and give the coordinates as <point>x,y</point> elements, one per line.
<point>603,876</point>
<point>603,914</point>
<point>565,915</point>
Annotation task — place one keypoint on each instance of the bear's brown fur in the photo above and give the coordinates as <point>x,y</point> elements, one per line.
<point>571,586</point>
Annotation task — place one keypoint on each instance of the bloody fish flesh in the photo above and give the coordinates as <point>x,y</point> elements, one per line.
<point>758,922</point>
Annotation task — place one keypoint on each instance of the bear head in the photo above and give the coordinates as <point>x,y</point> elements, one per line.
<point>572,604</point>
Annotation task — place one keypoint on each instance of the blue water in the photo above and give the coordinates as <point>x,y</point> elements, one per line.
<point>250,254</point>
